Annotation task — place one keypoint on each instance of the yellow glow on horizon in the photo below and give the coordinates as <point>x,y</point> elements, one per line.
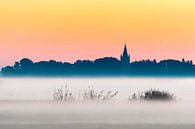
<point>50,25</point>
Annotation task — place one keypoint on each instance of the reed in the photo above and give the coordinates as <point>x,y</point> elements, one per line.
<point>63,94</point>
<point>94,95</point>
<point>90,94</point>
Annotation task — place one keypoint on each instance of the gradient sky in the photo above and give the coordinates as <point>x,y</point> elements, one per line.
<point>67,30</point>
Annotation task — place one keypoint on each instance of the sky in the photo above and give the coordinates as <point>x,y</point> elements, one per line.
<point>67,30</point>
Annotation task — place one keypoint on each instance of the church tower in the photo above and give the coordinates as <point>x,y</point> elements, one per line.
<point>125,57</point>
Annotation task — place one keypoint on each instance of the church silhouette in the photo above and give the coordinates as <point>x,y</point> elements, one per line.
<point>125,57</point>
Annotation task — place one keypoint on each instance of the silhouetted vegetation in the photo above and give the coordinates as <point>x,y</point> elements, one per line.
<point>153,94</point>
<point>63,94</point>
<point>107,66</point>
<point>93,95</point>
<point>103,66</point>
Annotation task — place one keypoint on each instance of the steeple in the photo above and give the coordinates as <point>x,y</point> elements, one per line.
<point>125,57</point>
<point>125,51</point>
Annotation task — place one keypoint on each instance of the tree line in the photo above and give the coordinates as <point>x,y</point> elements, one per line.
<point>100,67</point>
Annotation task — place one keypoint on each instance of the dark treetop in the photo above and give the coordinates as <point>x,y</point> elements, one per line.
<point>107,66</point>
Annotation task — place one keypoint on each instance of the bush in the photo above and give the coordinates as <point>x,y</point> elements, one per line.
<point>153,94</point>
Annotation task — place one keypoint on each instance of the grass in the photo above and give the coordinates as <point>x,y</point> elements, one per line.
<point>153,94</point>
<point>93,95</point>
<point>64,94</point>
<point>90,94</point>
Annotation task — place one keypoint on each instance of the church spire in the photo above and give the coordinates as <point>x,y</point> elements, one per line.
<point>125,53</point>
<point>125,57</point>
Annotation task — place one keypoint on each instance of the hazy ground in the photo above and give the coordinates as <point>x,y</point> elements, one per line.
<point>98,126</point>
<point>27,104</point>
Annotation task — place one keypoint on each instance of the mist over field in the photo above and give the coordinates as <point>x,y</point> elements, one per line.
<point>28,102</point>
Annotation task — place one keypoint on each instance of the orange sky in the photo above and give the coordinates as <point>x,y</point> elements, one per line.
<point>67,30</point>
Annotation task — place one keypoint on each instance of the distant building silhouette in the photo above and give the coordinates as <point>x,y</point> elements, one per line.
<point>125,57</point>
<point>106,66</point>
